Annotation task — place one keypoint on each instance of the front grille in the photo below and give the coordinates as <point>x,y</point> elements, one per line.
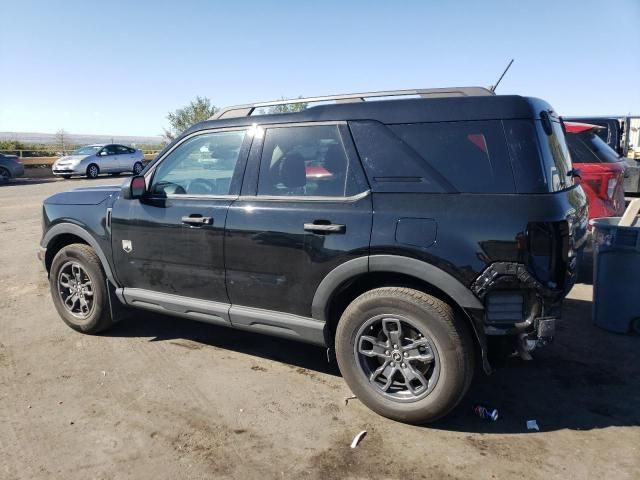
<point>505,307</point>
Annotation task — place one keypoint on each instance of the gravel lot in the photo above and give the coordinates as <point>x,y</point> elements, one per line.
<point>167,398</point>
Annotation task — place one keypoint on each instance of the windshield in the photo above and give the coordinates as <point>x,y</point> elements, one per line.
<point>88,150</point>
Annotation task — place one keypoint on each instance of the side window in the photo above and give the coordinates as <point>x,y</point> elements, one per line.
<point>472,156</point>
<point>110,149</point>
<point>202,165</point>
<point>307,161</point>
<point>121,150</point>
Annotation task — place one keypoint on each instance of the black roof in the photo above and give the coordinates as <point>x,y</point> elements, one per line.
<point>446,109</point>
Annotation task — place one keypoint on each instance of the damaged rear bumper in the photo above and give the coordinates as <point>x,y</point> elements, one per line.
<point>518,305</point>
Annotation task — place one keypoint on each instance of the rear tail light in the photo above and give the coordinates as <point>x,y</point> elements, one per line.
<point>604,186</point>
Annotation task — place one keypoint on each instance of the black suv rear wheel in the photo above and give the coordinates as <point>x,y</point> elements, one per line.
<point>404,354</point>
<point>79,289</point>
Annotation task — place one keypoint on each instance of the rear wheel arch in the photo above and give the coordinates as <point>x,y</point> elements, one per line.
<point>355,277</point>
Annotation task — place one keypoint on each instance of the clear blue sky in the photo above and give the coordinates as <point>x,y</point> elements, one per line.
<point>118,67</point>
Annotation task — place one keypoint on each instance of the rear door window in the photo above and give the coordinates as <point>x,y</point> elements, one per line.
<point>122,150</point>
<point>472,156</point>
<point>307,161</point>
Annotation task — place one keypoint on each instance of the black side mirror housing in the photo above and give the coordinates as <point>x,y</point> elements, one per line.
<point>134,188</point>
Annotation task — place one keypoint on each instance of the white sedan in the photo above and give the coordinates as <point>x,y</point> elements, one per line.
<point>92,160</point>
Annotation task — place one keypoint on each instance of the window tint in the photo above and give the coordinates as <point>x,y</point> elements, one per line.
<point>528,169</point>
<point>307,161</point>
<point>110,149</point>
<point>600,149</point>
<point>580,153</point>
<point>390,164</point>
<point>556,156</point>
<point>121,150</point>
<point>202,165</point>
<point>471,156</point>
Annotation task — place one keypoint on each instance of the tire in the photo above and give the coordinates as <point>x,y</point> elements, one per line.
<point>95,318</point>
<point>93,171</point>
<point>137,168</point>
<point>5,175</point>
<point>428,324</point>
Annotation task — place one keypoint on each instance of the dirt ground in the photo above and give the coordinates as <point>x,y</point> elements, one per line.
<point>159,397</point>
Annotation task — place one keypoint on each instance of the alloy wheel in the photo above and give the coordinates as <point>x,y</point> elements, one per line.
<point>398,358</point>
<point>75,289</point>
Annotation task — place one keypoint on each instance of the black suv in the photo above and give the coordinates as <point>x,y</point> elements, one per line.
<point>412,237</point>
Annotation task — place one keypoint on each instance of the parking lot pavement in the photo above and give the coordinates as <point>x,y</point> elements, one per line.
<point>158,397</point>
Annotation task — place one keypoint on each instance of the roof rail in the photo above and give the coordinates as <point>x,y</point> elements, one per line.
<point>248,109</point>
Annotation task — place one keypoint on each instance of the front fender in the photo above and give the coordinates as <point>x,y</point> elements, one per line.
<point>78,231</point>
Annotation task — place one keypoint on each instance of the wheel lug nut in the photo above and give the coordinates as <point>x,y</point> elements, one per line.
<point>386,352</point>
<point>393,364</point>
<point>406,354</point>
<point>404,366</point>
<point>395,346</point>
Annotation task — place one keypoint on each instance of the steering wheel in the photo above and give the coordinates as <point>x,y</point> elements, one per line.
<point>201,186</point>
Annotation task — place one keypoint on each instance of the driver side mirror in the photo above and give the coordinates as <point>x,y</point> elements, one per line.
<point>102,153</point>
<point>134,188</point>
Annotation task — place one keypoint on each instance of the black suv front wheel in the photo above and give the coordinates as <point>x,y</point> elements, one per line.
<point>79,289</point>
<point>404,354</point>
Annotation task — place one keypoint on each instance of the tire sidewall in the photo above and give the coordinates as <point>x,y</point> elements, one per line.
<point>447,391</point>
<point>97,277</point>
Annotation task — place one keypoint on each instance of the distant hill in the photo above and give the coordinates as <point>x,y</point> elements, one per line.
<point>79,139</point>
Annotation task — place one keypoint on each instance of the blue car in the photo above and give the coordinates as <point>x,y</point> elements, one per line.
<point>10,167</point>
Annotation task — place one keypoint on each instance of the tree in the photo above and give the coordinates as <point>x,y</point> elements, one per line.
<point>62,140</point>
<point>288,107</point>
<point>198,110</point>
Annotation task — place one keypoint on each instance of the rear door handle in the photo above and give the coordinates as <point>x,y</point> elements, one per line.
<point>325,228</point>
<point>197,220</point>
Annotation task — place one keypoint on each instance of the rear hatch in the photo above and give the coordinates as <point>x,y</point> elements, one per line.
<point>543,169</point>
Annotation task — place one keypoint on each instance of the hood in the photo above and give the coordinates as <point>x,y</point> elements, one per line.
<point>84,196</point>
<point>72,158</point>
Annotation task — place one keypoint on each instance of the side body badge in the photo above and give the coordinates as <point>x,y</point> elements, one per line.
<point>127,246</point>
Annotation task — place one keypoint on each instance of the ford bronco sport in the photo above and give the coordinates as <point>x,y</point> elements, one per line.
<point>410,236</point>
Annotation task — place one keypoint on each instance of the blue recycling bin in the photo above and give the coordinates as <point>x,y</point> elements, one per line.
<point>616,275</point>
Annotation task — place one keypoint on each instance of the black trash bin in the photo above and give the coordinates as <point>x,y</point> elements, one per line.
<point>616,275</point>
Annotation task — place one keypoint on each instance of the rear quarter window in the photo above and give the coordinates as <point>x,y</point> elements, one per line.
<point>472,156</point>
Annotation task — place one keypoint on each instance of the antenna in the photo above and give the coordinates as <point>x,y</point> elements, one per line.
<point>493,87</point>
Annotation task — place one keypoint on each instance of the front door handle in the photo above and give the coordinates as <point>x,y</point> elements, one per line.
<point>197,220</point>
<point>325,228</point>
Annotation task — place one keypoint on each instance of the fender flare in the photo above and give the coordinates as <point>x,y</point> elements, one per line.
<point>394,264</point>
<point>78,231</point>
